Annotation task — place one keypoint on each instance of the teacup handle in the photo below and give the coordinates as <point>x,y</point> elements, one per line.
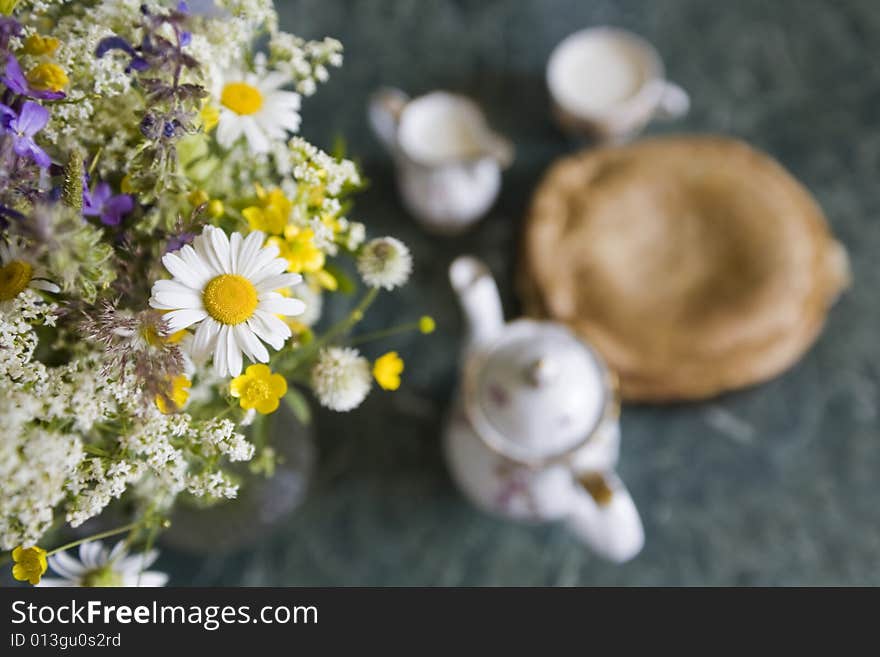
<point>383,111</point>
<point>674,102</point>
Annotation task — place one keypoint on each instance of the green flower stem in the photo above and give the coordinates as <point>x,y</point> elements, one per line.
<point>96,537</point>
<point>227,410</point>
<point>95,451</point>
<point>95,160</point>
<point>260,431</point>
<point>385,333</point>
<point>151,539</point>
<point>346,325</point>
<point>340,328</point>
<point>301,378</point>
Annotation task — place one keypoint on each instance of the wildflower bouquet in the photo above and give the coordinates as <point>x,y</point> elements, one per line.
<point>165,242</point>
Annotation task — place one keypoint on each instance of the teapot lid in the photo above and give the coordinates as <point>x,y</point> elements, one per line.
<point>538,393</point>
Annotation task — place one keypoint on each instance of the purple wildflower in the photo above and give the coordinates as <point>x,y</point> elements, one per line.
<point>108,44</point>
<point>23,127</point>
<point>17,82</point>
<point>177,242</point>
<point>102,203</point>
<point>9,27</point>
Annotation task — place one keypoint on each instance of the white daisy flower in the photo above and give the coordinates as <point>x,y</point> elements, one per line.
<point>314,303</point>
<point>19,270</point>
<point>98,566</point>
<point>226,286</point>
<point>385,262</point>
<point>257,107</point>
<point>341,378</point>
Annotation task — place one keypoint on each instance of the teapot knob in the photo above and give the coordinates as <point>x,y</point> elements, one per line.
<point>543,372</point>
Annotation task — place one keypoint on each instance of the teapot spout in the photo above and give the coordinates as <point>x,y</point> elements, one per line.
<point>478,295</point>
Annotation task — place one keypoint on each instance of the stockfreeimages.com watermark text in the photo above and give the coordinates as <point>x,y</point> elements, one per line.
<point>209,617</point>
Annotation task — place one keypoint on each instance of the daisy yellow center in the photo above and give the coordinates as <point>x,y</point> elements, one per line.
<point>14,278</point>
<point>230,298</point>
<point>102,577</point>
<point>242,98</point>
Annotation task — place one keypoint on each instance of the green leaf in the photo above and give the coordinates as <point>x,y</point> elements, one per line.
<point>7,7</point>
<point>298,405</point>
<point>339,147</point>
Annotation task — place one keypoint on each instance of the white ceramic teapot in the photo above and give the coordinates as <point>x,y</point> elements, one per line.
<point>448,160</point>
<point>534,434</point>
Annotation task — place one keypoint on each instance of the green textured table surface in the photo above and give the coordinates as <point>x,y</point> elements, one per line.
<point>774,485</point>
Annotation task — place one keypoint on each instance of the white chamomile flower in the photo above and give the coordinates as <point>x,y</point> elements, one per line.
<point>226,285</point>
<point>257,107</point>
<point>19,270</point>
<point>311,296</point>
<point>341,378</point>
<point>98,566</point>
<point>385,262</point>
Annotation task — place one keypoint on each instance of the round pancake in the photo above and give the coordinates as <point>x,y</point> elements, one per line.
<point>695,265</point>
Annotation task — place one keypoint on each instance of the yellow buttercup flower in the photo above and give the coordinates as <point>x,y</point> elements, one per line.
<point>174,338</point>
<point>214,207</point>
<point>258,388</point>
<point>387,370</point>
<point>210,117</point>
<point>325,280</point>
<point>197,197</point>
<point>296,327</point>
<point>30,564</point>
<point>298,248</point>
<point>47,77</point>
<point>271,213</point>
<point>427,324</point>
<point>177,398</point>
<point>152,337</point>
<point>37,44</point>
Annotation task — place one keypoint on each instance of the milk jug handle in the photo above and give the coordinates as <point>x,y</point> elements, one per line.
<point>384,110</point>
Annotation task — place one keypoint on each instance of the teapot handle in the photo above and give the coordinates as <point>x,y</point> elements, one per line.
<point>383,111</point>
<point>605,517</point>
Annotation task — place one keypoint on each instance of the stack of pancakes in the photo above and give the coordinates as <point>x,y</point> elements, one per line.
<point>695,265</point>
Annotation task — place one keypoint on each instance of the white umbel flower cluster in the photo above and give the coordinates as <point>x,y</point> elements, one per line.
<point>51,417</point>
<point>305,62</point>
<point>385,262</point>
<point>341,378</point>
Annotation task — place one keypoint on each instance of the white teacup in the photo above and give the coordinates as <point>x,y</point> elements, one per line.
<point>607,84</point>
